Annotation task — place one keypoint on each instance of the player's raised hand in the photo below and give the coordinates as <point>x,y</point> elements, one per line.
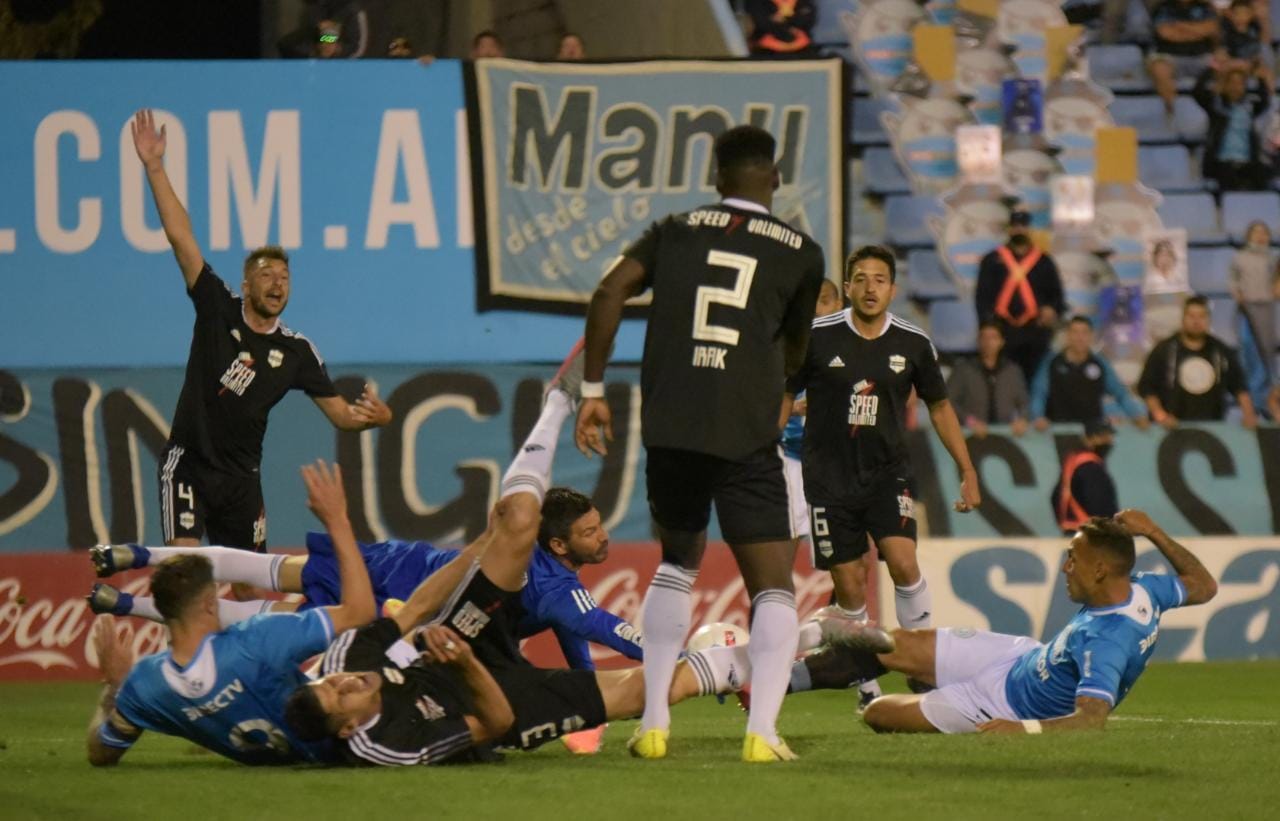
<point>369,410</point>
<point>1136,522</point>
<point>115,653</point>
<point>147,141</point>
<point>325,495</point>
<point>970,495</point>
<point>594,428</point>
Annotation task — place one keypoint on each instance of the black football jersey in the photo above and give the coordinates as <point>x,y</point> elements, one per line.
<point>423,705</point>
<point>857,390</point>
<point>727,283</point>
<point>235,376</point>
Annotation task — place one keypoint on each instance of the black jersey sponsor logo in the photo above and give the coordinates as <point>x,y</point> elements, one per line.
<point>864,405</point>
<point>239,376</point>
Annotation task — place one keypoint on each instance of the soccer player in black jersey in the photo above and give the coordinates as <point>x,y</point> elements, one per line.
<point>734,290</point>
<point>861,366</point>
<point>242,362</point>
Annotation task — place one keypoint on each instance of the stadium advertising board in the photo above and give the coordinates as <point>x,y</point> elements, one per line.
<point>1001,585</point>
<point>575,161</point>
<point>78,462</point>
<point>358,168</point>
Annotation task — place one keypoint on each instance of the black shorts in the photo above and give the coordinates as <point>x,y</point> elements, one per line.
<point>195,499</point>
<point>839,531</point>
<point>549,703</point>
<point>484,614</point>
<point>750,496</point>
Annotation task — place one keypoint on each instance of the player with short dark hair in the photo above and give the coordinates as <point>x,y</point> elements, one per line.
<point>861,367</point>
<point>734,290</point>
<point>996,683</point>
<point>242,362</point>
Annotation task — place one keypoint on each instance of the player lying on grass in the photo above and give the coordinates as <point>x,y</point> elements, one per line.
<point>997,683</point>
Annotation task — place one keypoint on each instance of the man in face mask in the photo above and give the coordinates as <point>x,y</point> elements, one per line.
<point>1086,488</point>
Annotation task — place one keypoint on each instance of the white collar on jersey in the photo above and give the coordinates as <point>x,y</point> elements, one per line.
<point>848,318</point>
<point>744,205</point>
<point>198,678</point>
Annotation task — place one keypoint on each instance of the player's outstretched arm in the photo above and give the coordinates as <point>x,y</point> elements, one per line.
<point>369,411</point>
<point>1198,581</point>
<point>947,426</point>
<point>624,280</point>
<point>150,144</point>
<point>493,716</point>
<point>328,501</point>
<point>1090,714</point>
<point>429,596</point>
<point>110,734</point>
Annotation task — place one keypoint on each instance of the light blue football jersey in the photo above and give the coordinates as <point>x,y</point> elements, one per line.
<point>230,698</point>
<point>1099,654</point>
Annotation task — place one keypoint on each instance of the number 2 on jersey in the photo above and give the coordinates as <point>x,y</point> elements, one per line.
<point>735,297</point>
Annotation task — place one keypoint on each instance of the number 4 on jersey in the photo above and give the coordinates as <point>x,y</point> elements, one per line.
<point>711,356</point>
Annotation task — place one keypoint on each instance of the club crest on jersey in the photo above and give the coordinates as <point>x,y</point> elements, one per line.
<point>897,363</point>
<point>275,357</point>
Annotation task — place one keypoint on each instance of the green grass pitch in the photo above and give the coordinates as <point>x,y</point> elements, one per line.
<point>1193,741</point>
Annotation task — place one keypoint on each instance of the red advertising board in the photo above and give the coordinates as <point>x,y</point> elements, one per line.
<point>45,621</point>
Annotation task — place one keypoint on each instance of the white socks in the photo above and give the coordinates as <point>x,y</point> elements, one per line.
<point>229,564</point>
<point>721,669</point>
<point>913,605</point>
<point>774,636</point>
<point>229,612</point>
<point>530,471</point>
<point>664,624</point>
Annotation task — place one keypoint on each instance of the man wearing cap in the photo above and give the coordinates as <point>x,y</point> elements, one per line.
<point>1019,287</point>
<point>1085,489</point>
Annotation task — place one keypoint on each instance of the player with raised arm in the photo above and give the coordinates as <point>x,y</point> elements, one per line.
<point>242,362</point>
<point>734,290</point>
<point>225,688</point>
<point>861,367</point>
<point>996,683</point>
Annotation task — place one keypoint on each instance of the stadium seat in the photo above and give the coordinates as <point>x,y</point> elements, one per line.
<point>1147,115</point>
<point>1208,269</point>
<point>1197,214</point>
<point>1239,208</point>
<point>906,220</point>
<point>1223,320</point>
<point>882,174</point>
<point>929,280</point>
<point>1167,168</point>
<point>953,325</point>
<point>866,121</point>
<point>1190,120</point>
<point>1120,68</point>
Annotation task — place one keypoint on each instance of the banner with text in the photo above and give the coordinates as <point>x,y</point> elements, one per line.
<point>78,465</point>
<point>575,161</point>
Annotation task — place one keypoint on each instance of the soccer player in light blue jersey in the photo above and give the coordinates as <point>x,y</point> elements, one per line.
<point>225,688</point>
<point>995,683</point>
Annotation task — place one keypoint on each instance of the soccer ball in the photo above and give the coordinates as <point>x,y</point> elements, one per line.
<point>717,634</point>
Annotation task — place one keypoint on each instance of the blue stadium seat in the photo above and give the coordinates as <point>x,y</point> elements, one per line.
<point>882,174</point>
<point>929,280</point>
<point>1190,120</point>
<point>1147,115</point>
<point>1222,321</point>
<point>1197,214</point>
<point>1239,208</point>
<point>1120,68</point>
<point>866,121</point>
<point>1209,269</point>
<point>1167,168</point>
<point>906,220</point>
<point>953,325</point>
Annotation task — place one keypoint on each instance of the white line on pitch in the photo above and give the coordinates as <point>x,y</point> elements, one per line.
<point>1220,721</point>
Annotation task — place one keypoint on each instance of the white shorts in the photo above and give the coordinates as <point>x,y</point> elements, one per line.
<point>795,492</point>
<point>970,667</point>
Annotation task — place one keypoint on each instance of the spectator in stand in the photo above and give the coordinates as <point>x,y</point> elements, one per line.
<point>1232,151</point>
<point>1085,488</point>
<point>1070,385</point>
<point>487,44</point>
<point>400,48</point>
<point>781,27</point>
<point>1188,376</point>
<point>571,49</point>
<point>1186,33</point>
<point>989,389</point>
<point>329,41</point>
<point>334,29</point>
<point>1245,41</point>
<point>1255,286</point>
<point>1019,287</point>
